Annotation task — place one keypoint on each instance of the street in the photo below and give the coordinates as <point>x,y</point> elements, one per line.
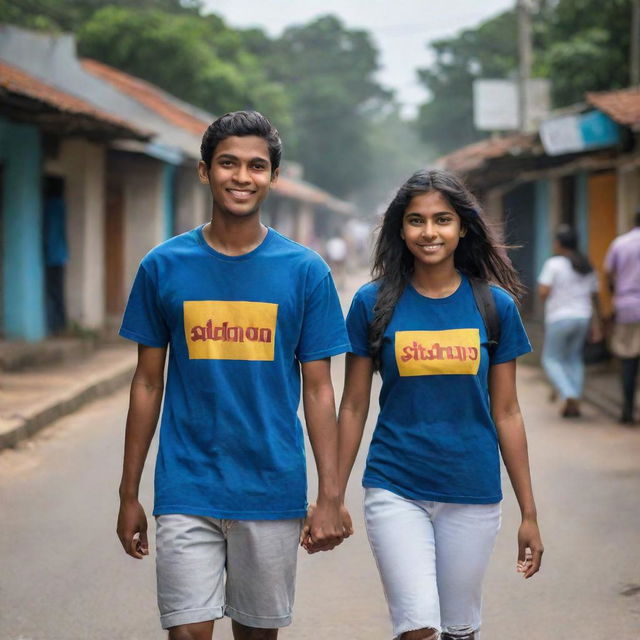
<point>64,576</point>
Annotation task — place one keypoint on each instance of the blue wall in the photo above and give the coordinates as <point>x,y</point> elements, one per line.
<point>169,178</point>
<point>22,256</point>
<point>543,240</point>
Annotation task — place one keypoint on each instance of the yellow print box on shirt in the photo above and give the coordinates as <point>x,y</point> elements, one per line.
<point>433,353</point>
<point>230,330</point>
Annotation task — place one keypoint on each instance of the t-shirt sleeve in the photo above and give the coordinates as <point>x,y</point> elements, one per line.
<point>610,260</point>
<point>143,320</point>
<point>513,337</point>
<point>594,285</point>
<point>323,330</point>
<point>547,274</point>
<point>358,326</point>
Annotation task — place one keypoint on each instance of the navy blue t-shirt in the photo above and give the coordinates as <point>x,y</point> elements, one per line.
<point>435,438</point>
<point>231,445</point>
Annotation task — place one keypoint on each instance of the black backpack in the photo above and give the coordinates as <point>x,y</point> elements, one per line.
<point>487,308</point>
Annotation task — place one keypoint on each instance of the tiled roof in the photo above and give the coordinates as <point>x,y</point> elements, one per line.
<point>147,94</point>
<point>475,155</point>
<point>168,107</point>
<point>622,106</point>
<point>16,81</point>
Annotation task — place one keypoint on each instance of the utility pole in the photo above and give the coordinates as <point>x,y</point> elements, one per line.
<point>525,56</point>
<point>634,49</point>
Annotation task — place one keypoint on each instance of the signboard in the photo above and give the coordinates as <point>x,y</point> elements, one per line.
<point>578,132</point>
<point>495,104</point>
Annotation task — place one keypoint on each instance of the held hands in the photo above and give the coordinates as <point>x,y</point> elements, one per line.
<point>530,549</point>
<point>325,527</point>
<point>132,529</point>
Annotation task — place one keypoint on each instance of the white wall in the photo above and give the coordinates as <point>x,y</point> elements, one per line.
<point>82,165</point>
<point>143,182</point>
<point>193,200</point>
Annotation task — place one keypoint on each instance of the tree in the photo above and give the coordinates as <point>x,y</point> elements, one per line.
<point>197,58</point>
<point>68,15</point>
<point>585,47</point>
<point>328,72</point>
<point>580,45</point>
<point>488,51</point>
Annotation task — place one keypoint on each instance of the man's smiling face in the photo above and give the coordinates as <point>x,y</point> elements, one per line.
<point>240,175</point>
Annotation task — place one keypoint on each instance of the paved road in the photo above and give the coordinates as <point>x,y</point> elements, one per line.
<point>64,577</point>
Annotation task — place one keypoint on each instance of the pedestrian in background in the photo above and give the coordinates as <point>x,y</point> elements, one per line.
<point>336,251</point>
<point>568,286</point>
<point>56,253</point>
<point>245,311</point>
<point>447,407</point>
<point>622,265</point>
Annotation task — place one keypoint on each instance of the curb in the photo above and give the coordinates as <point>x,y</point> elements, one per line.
<point>17,428</point>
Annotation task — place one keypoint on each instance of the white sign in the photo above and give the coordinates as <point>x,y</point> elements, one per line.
<point>561,135</point>
<point>496,106</point>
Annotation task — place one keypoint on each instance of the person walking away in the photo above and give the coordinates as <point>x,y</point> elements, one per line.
<point>336,250</point>
<point>448,405</point>
<point>243,311</point>
<point>568,286</point>
<point>56,253</point>
<point>622,265</point>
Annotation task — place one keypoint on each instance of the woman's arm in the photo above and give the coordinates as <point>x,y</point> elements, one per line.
<point>352,416</point>
<point>543,291</point>
<point>513,446</point>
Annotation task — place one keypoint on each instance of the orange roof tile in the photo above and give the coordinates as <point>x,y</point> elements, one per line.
<point>473,156</point>
<point>159,101</point>
<point>622,106</point>
<point>147,94</point>
<point>16,81</point>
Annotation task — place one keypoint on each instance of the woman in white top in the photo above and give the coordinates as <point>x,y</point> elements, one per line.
<point>569,287</point>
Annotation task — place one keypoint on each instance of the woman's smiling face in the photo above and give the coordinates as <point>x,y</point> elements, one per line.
<point>431,229</point>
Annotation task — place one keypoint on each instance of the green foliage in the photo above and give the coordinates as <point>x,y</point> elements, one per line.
<point>488,51</point>
<point>328,72</point>
<point>581,45</point>
<point>396,153</point>
<point>585,47</point>
<point>68,15</point>
<point>197,58</point>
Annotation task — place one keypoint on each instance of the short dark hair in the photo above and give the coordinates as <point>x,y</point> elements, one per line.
<point>241,123</point>
<point>636,219</point>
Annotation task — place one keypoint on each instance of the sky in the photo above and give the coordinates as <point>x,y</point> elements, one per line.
<point>400,29</point>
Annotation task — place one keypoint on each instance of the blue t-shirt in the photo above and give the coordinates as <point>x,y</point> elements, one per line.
<point>435,438</point>
<point>231,445</point>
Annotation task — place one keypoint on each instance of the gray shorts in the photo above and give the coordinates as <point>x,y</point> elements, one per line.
<point>258,556</point>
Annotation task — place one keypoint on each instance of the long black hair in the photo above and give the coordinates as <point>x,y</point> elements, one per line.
<point>567,239</point>
<point>478,253</point>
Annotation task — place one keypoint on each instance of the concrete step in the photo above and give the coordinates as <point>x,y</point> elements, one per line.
<point>30,400</point>
<point>19,355</point>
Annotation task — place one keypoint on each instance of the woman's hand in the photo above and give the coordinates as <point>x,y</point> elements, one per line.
<point>530,548</point>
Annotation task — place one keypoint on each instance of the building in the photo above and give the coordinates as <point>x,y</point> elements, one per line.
<point>129,183</point>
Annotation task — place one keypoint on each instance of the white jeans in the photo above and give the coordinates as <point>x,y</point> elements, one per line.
<point>432,557</point>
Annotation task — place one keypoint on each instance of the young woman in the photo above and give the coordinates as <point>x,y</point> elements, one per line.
<point>432,480</point>
<point>569,288</point>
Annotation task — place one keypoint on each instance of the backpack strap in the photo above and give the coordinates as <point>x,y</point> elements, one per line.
<point>487,308</point>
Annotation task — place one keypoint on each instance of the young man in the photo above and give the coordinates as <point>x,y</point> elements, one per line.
<point>243,309</point>
<point>622,265</point>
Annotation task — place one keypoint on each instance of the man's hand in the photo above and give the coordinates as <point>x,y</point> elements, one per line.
<point>132,528</point>
<point>323,527</point>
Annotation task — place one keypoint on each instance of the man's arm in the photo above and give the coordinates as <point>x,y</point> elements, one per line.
<point>145,399</point>
<point>324,528</point>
